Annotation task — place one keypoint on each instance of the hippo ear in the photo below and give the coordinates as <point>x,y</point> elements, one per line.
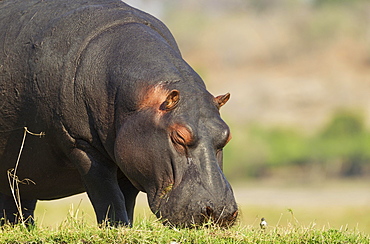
<point>171,101</point>
<point>222,99</point>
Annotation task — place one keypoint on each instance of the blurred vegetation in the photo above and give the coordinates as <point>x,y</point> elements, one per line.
<point>231,34</point>
<point>339,149</point>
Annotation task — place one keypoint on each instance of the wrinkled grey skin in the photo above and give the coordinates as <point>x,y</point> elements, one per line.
<point>108,86</point>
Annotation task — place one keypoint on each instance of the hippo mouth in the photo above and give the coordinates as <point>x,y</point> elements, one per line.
<point>206,217</point>
<point>197,215</point>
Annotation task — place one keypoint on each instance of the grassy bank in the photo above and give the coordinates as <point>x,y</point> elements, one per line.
<point>150,231</point>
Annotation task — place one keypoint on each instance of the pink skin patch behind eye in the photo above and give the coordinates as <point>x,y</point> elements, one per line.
<point>153,97</point>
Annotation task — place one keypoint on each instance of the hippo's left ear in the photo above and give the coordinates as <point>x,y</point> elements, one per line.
<point>222,99</point>
<point>171,101</point>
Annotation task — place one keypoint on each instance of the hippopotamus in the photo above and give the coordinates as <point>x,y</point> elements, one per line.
<point>120,111</point>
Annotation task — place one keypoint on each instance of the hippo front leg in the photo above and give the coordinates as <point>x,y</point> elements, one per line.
<point>100,178</point>
<point>130,194</point>
<point>10,214</point>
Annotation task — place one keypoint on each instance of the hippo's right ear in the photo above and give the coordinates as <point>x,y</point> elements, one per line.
<point>222,99</point>
<point>171,101</point>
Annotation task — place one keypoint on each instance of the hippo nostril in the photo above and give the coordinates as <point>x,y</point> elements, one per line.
<point>209,211</point>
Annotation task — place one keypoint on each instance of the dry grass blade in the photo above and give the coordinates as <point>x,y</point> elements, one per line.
<point>14,180</point>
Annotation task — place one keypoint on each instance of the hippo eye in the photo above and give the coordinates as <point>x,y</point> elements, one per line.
<point>228,138</point>
<point>225,140</point>
<point>181,137</point>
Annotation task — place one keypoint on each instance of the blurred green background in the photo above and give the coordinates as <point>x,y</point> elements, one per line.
<point>299,76</point>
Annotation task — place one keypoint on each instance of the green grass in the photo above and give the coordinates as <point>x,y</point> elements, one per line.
<point>285,226</point>
<point>75,230</point>
<point>73,221</point>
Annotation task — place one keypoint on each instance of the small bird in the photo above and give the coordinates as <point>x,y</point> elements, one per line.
<point>263,224</point>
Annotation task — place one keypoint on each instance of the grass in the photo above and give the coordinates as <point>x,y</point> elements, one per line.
<point>296,225</point>
<point>75,230</point>
<point>312,219</point>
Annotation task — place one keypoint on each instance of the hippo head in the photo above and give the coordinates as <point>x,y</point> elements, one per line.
<point>171,148</point>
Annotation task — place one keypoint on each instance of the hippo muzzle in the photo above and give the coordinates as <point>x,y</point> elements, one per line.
<point>192,203</point>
